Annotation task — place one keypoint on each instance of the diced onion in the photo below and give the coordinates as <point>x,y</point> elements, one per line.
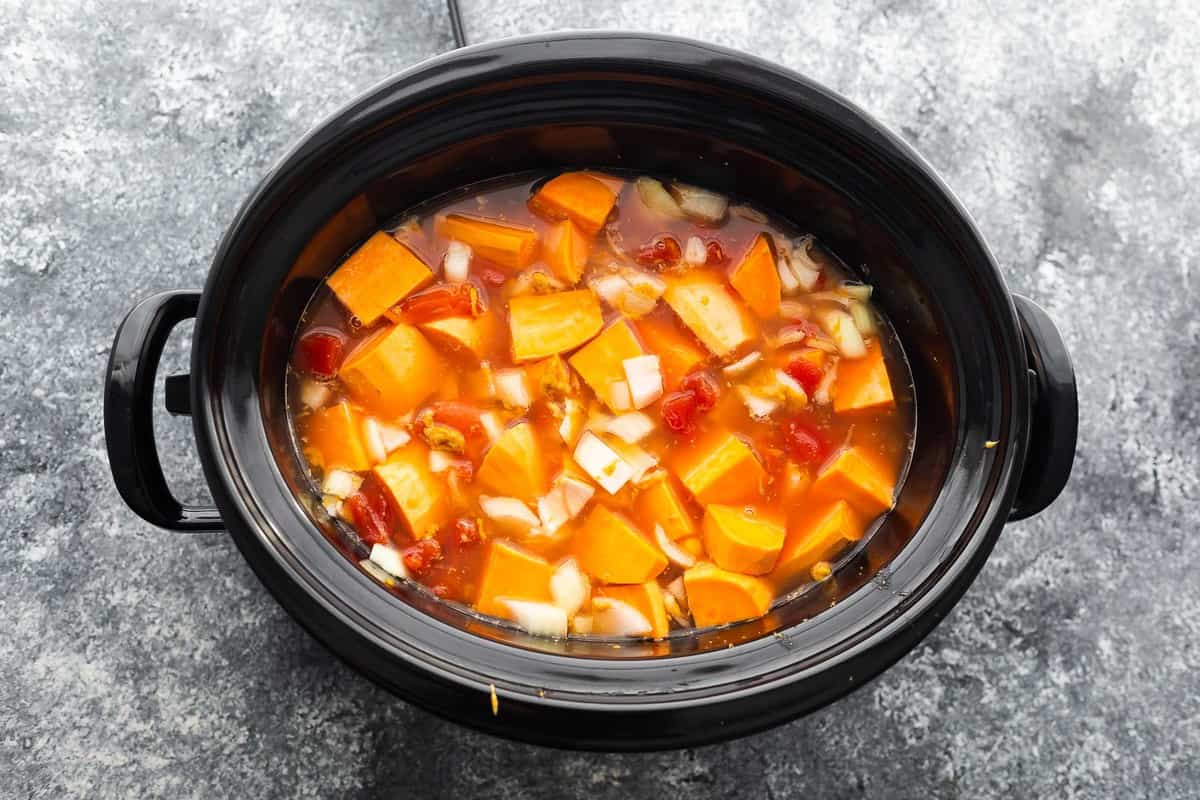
<point>676,613</point>
<point>656,198</point>
<point>794,310</point>
<point>373,439</point>
<point>700,204</point>
<point>618,396</point>
<point>540,619</point>
<point>332,505</point>
<point>340,483</point>
<point>644,378</point>
<point>677,590</point>
<point>508,512</point>
<point>614,618</point>
<point>457,262</point>
<point>863,320</point>
<point>841,328</point>
<point>582,623</point>
<point>828,297</point>
<point>441,461</point>
<point>759,407</point>
<point>788,282</point>
<point>676,554</point>
<point>314,394</point>
<point>389,560</point>
<point>569,587</point>
<point>695,253</point>
<point>492,425</point>
<point>793,392</point>
<point>791,335</point>
<point>641,463</point>
<point>572,421</point>
<point>512,387</point>
<point>631,427</point>
<point>601,463</point>
<point>576,494</point>
<point>610,288</point>
<point>822,395</point>
<point>393,437</point>
<point>822,344</point>
<point>856,291</point>
<point>746,212</point>
<point>743,364</point>
<point>807,271</point>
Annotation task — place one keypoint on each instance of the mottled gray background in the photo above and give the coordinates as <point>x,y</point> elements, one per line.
<point>134,662</point>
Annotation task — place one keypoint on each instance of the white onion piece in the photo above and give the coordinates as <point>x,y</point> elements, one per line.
<point>340,483</point>
<point>828,297</point>
<point>618,396</point>
<point>823,394</point>
<point>569,587</point>
<point>856,291</point>
<point>788,282</point>
<point>862,318</point>
<point>746,212</point>
<point>795,310</point>
<point>509,513</point>
<point>512,387</point>
<point>759,407</point>
<point>492,425</point>
<point>676,554</point>
<point>678,590</point>
<point>631,427</point>
<point>373,439</point>
<point>793,392</point>
<point>695,253</point>
<point>743,364</point>
<point>572,422</point>
<point>640,462</point>
<point>314,394</point>
<point>540,619</point>
<point>655,197</point>
<point>552,510</point>
<point>807,271</point>
<point>822,344</point>
<point>582,623</point>
<point>389,560</point>
<point>790,336</point>
<point>610,288</point>
<point>700,204</point>
<point>393,436</point>
<point>644,377</point>
<point>601,463</point>
<point>457,262</point>
<point>576,494</point>
<point>440,461</point>
<point>676,613</point>
<point>333,506</point>
<point>614,618</point>
<point>841,328</point>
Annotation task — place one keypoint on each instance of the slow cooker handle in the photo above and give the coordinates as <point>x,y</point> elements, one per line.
<point>1054,415</point>
<point>129,417</point>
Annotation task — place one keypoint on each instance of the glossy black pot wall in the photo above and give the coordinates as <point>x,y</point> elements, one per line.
<point>987,367</point>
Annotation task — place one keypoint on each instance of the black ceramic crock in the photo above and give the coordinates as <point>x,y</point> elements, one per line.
<point>995,392</point>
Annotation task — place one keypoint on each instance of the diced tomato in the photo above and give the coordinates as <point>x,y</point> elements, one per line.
<point>714,254</point>
<point>456,414</point>
<point>802,442</point>
<point>492,277</point>
<point>806,373</point>
<point>663,251</point>
<point>371,513</point>
<point>703,387</point>
<point>679,411</point>
<point>438,302</point>
<point>466,530</point>
<point>319,353</point>
<point>421,556</point>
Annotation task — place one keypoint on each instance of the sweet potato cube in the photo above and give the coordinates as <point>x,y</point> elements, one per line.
<point>549,379</point>
<point>511,573</point>
<point>601,361</point>
<point>702,301</point>
<point>611,550</point>
<point>333,438</point>
<point>511,246</point>
<point>740,542</point>
<point>659,503</point>
<point>720,468</point>
<point>677,353</point>
<point>582,198</point>
<point>646,598</point>
<point>757,280</point>
<point>471,336</point>
<point>716,596</point>
<point>393,372</point>
<point>416,493</point>
<point>816,535</point>
<point>376,276</point>
<point>513,465</point>
<point>862,383</point>
<point>857,476</point>
<point>565,251</point>
<point>544,324</point>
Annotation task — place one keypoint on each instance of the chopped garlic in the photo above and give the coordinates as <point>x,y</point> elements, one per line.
<point>340,483</point>
<point>644,377</point>
<point>694,252</point>
<point>512,387</point>
<point>508,512</point>
<point>601,463</point>
<point>389,560</point>
<point>743,364</point>
<point>457,262</point>
<point>540,619</point>
<point>569,587</point>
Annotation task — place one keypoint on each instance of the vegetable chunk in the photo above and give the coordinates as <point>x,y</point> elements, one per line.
<point>512,573</point>
<point>469,335</point>
<point>577,196</point>
<point>376,276</point>
<point>757,280</point>
<point>333,439</point>
<point>565,251</point>
<point>740,542</point>
<point>544,324</point>
<point>721,469</point>
<point>677,353</point>
<point>660,504</point>
<point>415,492</point>
<point>513,465</point>
<point>716,596</point>
<point>719,320</point>
<point>601,361</point>
<point>863,383</point>
<point>816,535</point>
<point>393,372</point>
<point>610,549</point>
<point>511,246</point>
<point>647,599</point>
<point>858,477</point>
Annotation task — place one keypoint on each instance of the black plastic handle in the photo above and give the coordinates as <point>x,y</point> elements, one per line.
<point>1054,420</point>
<point>129,417</point>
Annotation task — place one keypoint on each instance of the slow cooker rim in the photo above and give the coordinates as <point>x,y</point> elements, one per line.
<point>944,594</point>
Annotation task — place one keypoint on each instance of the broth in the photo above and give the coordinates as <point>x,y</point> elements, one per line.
<point>594,404</point>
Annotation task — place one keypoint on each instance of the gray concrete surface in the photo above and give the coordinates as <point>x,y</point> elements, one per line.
<point>137,663</point>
